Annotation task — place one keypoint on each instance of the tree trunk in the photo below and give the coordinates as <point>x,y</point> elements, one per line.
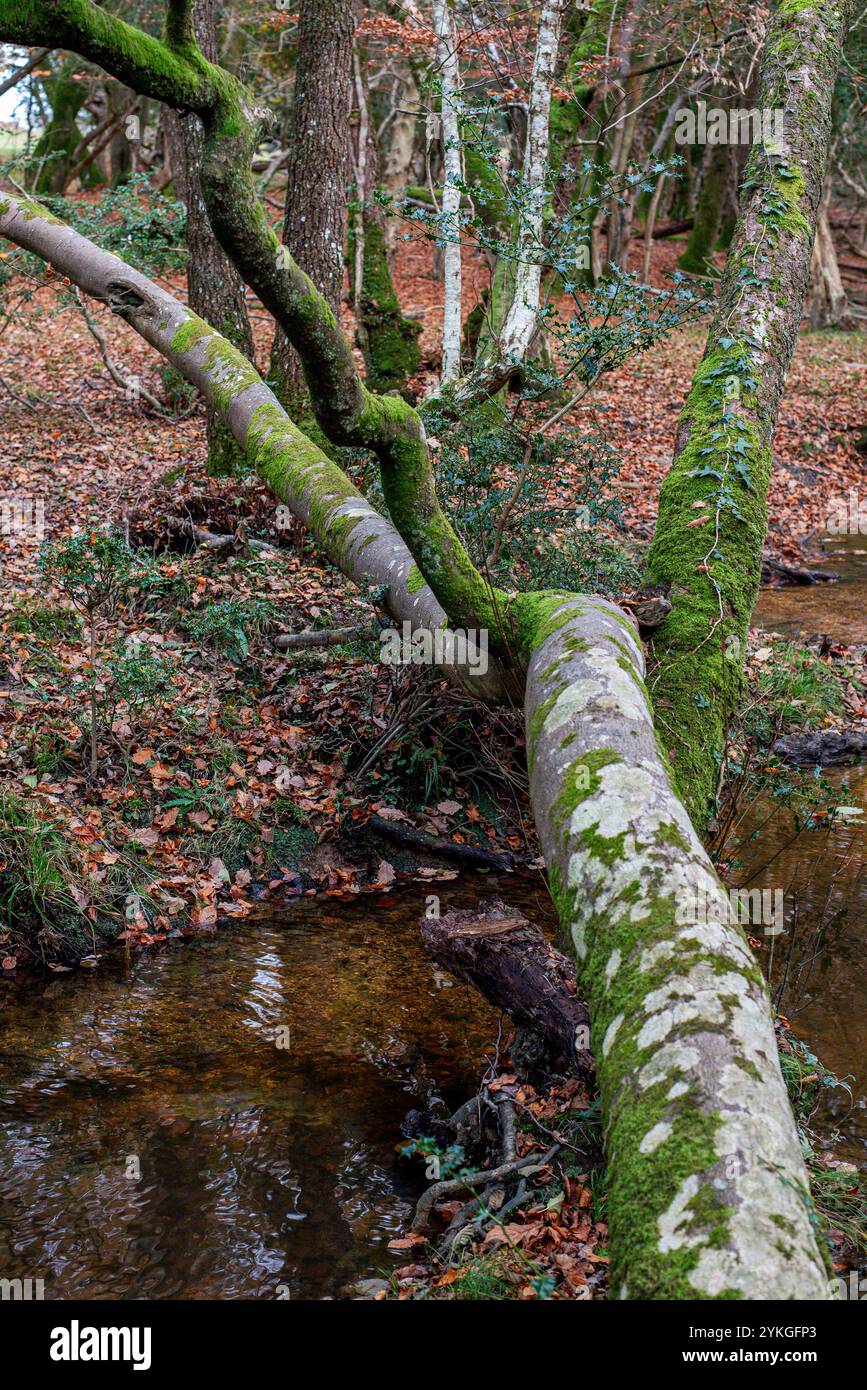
<point>513,310</point>
<point>707,549</point>
<point>512,965</point>
<point>349,530</point>
<point>707,1195</point>
<point>397,165</point>
<point>317,172</point>
<point>216,290</point>
<point>119,149</point>
<point>829,305</point>
<point>61,136</point>
<point>449,72</point>
<point>622,207</point>
<point>697,258</point>
<point>388,341</point>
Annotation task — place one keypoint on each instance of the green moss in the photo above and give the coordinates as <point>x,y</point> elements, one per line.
<point>672,835</point>
<point>582,780</point>
<point>793,191</point>
<point>191,332</point>
<point>607,849</point>
<point>697,676</point>
<point>283,456</point>
<point>389,341</point>
<point>539,615</point>
<point>644,1185</point>
<point>415,580</point>
<point>391,427</point>
<point>540,714</point>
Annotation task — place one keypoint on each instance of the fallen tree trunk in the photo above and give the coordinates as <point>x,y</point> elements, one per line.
<point>322,637</point>
<point>667,229</point>
<point>363,545</point>
<point>710,531</point>
<point>509,962</point>
<point>707,1190</point>
<point>822,748</point>
<point>793,574</point>
<point>448,849</point>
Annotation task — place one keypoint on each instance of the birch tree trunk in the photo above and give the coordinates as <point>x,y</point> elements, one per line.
<point>449,73</point>
<point>522,317</point>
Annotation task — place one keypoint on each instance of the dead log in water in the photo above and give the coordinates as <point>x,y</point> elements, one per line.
<point>511,964</point>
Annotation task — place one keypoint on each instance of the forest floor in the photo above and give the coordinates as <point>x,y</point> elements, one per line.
<point>228,769</point>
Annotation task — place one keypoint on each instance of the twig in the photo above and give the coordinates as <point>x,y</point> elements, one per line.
<point>325,637</point>
<point>483,1178</point>
<point>133,390</point>
<point>449,849</point>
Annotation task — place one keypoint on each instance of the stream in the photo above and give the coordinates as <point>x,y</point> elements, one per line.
<point>818,967</point>
<point>157,1143</point>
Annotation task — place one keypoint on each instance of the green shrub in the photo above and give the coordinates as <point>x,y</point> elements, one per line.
<point>44,621</point>
<point>229,626</point>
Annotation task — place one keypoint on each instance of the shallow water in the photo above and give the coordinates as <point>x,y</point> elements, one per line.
<point>818,965</point>
<point>840,610</point>
<point>822,872</point>
<point>156,1143</point>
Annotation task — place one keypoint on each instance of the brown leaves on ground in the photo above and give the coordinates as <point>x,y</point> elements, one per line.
<point>554,1244</point>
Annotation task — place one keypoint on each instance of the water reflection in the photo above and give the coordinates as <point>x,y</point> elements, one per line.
<point>818,965</point>
<point>840,610</point>
<point>155,1143</point>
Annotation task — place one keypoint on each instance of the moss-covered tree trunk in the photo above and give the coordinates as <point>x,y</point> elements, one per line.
<point>697,257</point>
<point>707,549</point>
<point>61,136</point>
<point>707,1193</point>
<point>388,340</point>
